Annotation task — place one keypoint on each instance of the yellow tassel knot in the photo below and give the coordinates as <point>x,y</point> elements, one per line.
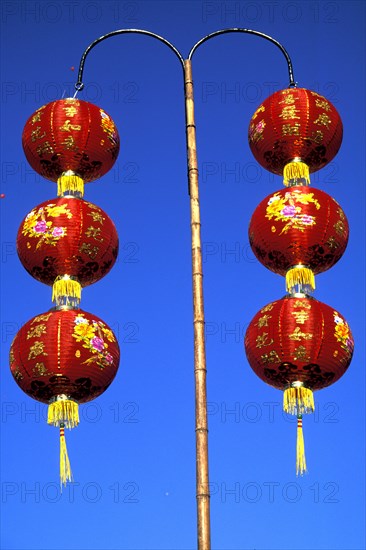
<point>66,286</point>
<point>300,449</point>
<point>299,275</point>
<point>63,411</point>
<point>70,182</point>
<point>65,468</point>
<point>298,400</point>
<point>296,173</point>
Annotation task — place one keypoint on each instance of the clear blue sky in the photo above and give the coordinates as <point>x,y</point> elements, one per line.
<point>133,455</point>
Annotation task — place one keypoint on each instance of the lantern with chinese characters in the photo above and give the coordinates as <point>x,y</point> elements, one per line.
<point>299,345</point>
<point>298,232</point>
<point>63,358</point>
<point>70,141</point>
<point>293,132</point>
<point>68,243</point>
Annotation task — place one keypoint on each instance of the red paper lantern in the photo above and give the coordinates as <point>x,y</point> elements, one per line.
<point>298,232</point>
<point>299,345</point>
<point>295,131</point>
<point>63,358</point>
<point>64,352</point>
<point>70,141</point>
<point>299,339</point>
<point>69,243</point>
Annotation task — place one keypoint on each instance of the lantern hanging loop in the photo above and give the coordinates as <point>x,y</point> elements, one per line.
<point>80,85</point>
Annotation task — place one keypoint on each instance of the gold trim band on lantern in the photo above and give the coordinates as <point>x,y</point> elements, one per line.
<point>300,275</point>
<point>294,171</point>
<point>70,183</point>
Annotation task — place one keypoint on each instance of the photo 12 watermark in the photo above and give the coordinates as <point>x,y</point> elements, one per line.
<point>242,14</point>
<point>32,412</point>
<point>36,93</point>
<point>127,332</point>
<point>70,12</point>
<point>253,412</point>
<point>91,492</point>
<point>249,173</point>
<point>274,492</point>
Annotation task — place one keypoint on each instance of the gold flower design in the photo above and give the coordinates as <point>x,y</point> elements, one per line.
<point>91,334</point>
<point>288,209</point>
<point>38,225</point>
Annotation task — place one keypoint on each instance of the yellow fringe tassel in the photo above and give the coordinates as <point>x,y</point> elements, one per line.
<point>65,468</point>
<point>300,275</point>
<point>300,449</point>
<point>65,286</point>
<point>296,170</point>
<point>63,412</point>
<point>298,400</point>
<point>70,182</point>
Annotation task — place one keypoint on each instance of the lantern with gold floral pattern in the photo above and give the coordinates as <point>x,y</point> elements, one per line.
<point>298,232</point>
<point>293,132</point>
<point>299,345</point>
<point>70,141</point>
<point>69,243</point>
<point>64,358</point>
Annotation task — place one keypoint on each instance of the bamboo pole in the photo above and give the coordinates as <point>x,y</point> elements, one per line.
<point>202,478</point>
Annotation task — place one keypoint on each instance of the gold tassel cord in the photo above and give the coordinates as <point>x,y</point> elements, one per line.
<point>300,275</point>
<point>63,412</point>
<point>65,286</point>
<point>296,173</point>
<point>65,468</point>
<point>298,400</point>
<point>70,182</point>
<point>300,449</point>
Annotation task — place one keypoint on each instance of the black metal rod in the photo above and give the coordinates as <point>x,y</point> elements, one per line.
<point>79,85</point>
<point>257,33</point>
